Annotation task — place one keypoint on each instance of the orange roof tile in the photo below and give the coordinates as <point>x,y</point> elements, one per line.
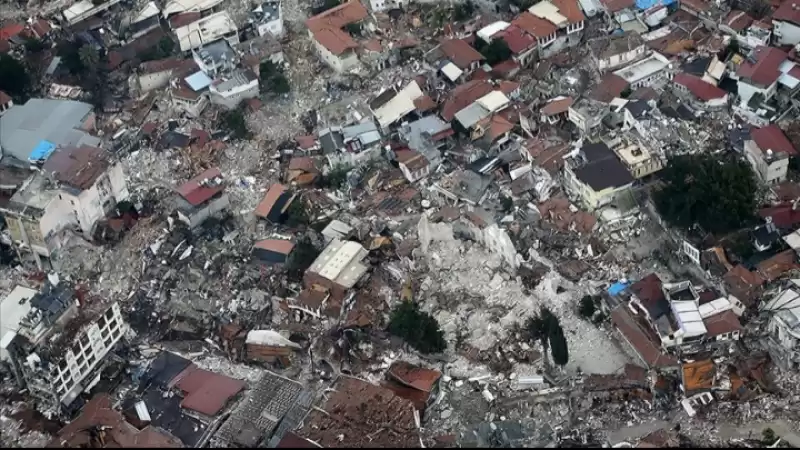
<point>533,25</point>
<point>569,9</point>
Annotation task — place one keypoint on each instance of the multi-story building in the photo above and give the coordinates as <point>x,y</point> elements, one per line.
<point>784,327</point>
<point>59,345</point>
<point>76,188</point>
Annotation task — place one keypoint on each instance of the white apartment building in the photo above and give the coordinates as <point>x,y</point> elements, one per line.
<point>54,364</point>
<point>784,327</point>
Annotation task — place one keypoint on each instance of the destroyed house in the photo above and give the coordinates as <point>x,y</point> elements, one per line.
<point>60,344</point>
<point>201,197</point>
<point>637,333</point>
<point>596,176</point>
<point>414,383</point>
<point>613,51</point>
<point>264,346</point>
<point>358,409</point>
<point>275,203</point>
<point>784,326</point>
<point>272,407</point>
<point>273,251</point>
<point>338,268</point>
<point>179,397</point>
<point>101,426</point>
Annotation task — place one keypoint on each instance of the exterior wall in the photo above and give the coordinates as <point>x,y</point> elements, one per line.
<point>770,173</point>
<point>4,108</point>
<point>92,204</point>
<point>273,27</point>
<point>353,159</point>
<point>88,351</point>
<point>621,59</point>
<point>341,63</point>
<point>786,33</point>
<point>747,90</point>
<point>151,81</point>
<point>584,124</point>
<point>383,5</point>
<point>784,344</point>
<point>589,198</point>
<point>192,108</point>
<point>415,175</point>
<point>213,208</point>
<point>231,99</point>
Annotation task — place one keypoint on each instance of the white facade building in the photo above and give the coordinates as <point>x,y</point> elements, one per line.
<point>647,72</point>
<point>206,30</point>
<point>233,90</point>
<point>268,19</point>
<point>784,327</point>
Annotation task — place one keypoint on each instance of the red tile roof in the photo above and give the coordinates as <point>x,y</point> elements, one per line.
<point>698,87</point>
<point>777,265</point>
<point>738,20</point>
<point>206,392</point>
<point>617,5</point>
<point>306,142</point>
<point>724,322</point>
<point>569,9</point>
<point>772,138</point>
<point>183,19</point>
<point>98,414</point>
<point>162,65</point>
<point>463,96</point>
<point>648,291</point>
<point>517,39</point>
<point>281,246</point>
<point>787,12</point>
<point>533,25</point>
<point>696,5</point>
<point>327,26</point>
<point>505,69</point>
<point>373,45</point>
<point>414,376</point>
<point>460,53</point>
<point>644,345</point>
<point>335,40</point>
<point>424,103</point>
<point>41,27</point>
<point>78,167</point>
<point>195,194</point>
<point>743,284</point>
<point>12,30</point>
<point>268,202</point>
<point>611,86</point>
<point>559,106</point>
<point>4,98</point>
<point>783,216</point>
<point>765,69</point>
<point>498,126</point>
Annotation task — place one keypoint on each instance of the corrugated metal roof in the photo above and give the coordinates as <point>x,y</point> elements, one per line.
<point>23,127</point>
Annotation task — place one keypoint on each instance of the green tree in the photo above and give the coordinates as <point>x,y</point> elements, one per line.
<point>14,79</point>
<point>69,51</point>
<point>768,436</point>
<point>587,307</point>
<point>326,5</point>
<point>164,49</point>
<point>301,258</point>
<point>626,92</point>
<point>353,29</point>
<point>272,78</point>
<point>235,123</point>
<point>296,214</point>
<point>336,176</point>
<point>419,329</point>
<point>558,346</point>
<point>720,196</point>
<point>463,11</point>
<point>33,45</point>
<point>507,203</point>
<point>497,51</point>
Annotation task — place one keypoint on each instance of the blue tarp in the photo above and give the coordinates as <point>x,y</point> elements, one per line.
<point>647,4</point>
<point>617,287</point>
<point>42,151</point>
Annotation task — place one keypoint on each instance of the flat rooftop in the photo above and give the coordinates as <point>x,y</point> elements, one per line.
<point>34,196</point>
<point>633,154</point>
<point>644,68</point>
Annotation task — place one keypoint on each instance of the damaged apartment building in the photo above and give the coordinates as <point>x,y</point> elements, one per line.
<point>57,341</point>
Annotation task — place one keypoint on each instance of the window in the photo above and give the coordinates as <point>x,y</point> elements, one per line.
<point>76,349</point>
<point>107,342</point>
<point>102,321</point>
<point>92,359</point>
<point>85,341</point>
<point>112,324</point>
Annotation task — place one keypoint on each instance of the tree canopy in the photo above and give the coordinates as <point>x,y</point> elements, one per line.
<point>272,78</point>
<point>14,79</point>
<point>558,346</point>
<point>719,195</point>
<point>419,329</point>
<point>235,123</point>
<point>497,51</point>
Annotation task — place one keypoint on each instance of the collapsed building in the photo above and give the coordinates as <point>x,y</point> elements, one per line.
<point>60,344</point>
